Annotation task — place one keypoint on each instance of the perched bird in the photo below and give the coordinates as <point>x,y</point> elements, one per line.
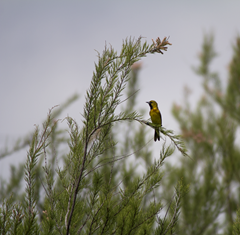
<point>156,117</point>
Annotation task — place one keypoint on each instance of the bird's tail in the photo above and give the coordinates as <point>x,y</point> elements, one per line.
<point>157,135</point>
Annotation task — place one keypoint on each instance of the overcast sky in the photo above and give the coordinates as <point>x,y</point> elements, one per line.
<point>47,52</point>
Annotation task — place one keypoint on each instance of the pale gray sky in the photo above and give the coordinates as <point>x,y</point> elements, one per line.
<point>47,52</point>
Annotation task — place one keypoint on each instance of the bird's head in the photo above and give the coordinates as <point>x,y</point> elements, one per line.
<point>152,104</point>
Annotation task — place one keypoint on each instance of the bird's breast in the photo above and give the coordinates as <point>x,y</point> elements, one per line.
<point>155,116</point>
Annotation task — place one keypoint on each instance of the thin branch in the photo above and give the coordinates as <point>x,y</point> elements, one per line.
<point>178,143</point>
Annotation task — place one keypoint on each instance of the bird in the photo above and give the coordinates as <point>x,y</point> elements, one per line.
<point>156,117</point>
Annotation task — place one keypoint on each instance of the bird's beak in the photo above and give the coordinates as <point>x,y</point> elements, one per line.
<point>148,102</point>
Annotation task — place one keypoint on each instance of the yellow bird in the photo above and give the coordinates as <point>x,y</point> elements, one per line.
<point>156,117</point>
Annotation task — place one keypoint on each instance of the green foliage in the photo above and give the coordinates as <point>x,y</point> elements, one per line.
<point>210,133</point>
<point>236,225</point>
<point>101,178</point>
<point>107,182</point>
